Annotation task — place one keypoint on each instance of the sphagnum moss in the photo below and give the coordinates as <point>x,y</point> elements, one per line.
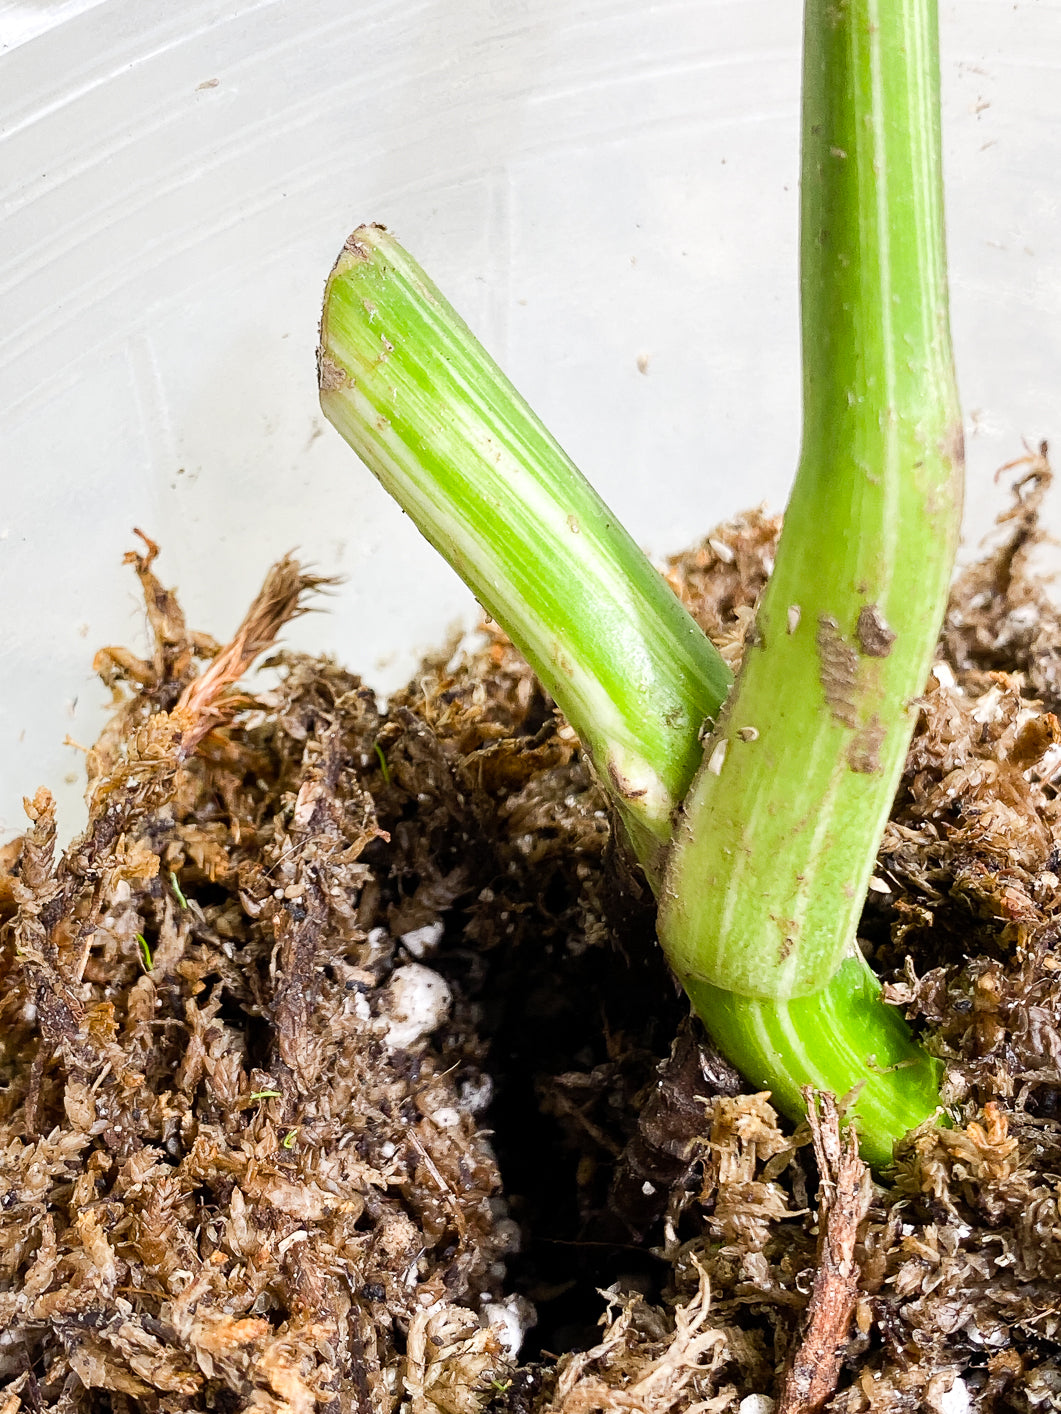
<point>180,1235</point>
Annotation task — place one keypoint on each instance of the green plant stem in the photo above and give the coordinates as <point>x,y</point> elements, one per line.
<point>841,1038</point>
<point>408,386</point>
<point>427,409</point>
<point>772,857</point>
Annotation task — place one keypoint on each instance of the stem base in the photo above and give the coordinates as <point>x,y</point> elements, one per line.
<point>842,1039</point>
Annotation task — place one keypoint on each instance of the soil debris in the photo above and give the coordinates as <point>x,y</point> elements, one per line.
<point>843,1200</point>
<point>326,1068</point>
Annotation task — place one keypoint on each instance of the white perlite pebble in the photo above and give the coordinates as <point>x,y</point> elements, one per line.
<point>508,1235</point>
<point>420,1002</point>
<point>956,1399</point>
<point>446,1117</point>
<point>510,1320</point>
<point>476,1093</point>
<point>756,1404</point>
<point>422,941</point>
<point>944,675</point>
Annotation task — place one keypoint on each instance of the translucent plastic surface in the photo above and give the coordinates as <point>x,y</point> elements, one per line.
<point>606,189</point>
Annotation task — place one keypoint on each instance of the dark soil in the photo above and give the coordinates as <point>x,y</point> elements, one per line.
<point>338,1051</point>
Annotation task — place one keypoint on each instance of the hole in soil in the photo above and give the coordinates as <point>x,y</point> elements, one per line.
<point>571,1042</point>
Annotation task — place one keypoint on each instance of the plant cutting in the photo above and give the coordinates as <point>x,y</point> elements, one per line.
<point>321,1018</point>
<point>755,810</point>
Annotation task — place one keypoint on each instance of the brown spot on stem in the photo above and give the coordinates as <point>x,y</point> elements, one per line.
<point>863,755</point>
<point>954,445</point>
<point>331,376</point>
<point>562,661</point>
<point>789,929</point>
<point>875,637</point>
<point>357,246</point>
<point>623,789</point>
<point>837,669</point>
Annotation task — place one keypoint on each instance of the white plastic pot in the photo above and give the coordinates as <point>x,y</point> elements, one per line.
<point>606,189</point>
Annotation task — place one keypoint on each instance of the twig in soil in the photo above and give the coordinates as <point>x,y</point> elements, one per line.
<point>442,1185</point>
<point>843,1200</point>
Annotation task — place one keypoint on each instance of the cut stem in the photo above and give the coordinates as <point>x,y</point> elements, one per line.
<point>427,409</point>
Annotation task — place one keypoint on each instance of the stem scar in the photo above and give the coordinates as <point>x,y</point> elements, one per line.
<point>837,668</point>
<point>875,636</point>
<point>863,754</point>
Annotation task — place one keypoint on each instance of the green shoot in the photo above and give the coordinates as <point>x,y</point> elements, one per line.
<point>778,836</point>
<point>145,951</point>
<point>178,894</point>
<point>265,1095</point>
<point>384,769</point>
